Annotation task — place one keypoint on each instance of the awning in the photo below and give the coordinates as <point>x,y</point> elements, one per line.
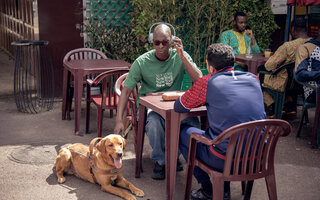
<point>303,2</point>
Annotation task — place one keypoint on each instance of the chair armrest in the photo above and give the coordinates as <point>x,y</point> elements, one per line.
<point>90,82</point>
<point>279,69</point>
<point>265,72</point>
<point>198,137</point>
<point>288,67</point>
<point>201,138</point>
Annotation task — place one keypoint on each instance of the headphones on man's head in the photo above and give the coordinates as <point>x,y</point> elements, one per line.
<point>150,37</point>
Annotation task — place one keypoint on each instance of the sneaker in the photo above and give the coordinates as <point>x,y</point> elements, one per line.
<point>179,166</point>
<point>158,172</point>
<point>200,195</point>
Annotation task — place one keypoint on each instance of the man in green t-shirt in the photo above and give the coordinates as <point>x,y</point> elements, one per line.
<point>158,70</point>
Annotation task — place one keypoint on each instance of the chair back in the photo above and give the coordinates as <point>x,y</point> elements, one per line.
<point>84,54</point>
<point>253,142</point>
<point>249,156</point>
<point>132,103</point>
<point>107,80</point>
<point>119,85</point>
<point>290,88</point>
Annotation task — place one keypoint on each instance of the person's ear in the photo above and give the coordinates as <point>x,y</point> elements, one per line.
<point>212,70</point>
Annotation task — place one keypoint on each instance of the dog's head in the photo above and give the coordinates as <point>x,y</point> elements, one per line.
<point>111,147</point>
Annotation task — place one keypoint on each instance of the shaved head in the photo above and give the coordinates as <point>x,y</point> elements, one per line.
<point>162,30</point>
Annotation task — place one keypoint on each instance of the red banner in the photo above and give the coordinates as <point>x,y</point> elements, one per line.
<point>303,2</point>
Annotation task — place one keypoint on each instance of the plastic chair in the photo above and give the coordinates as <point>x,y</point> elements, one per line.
<point>106,100</point>
<point>304,118</point>
<point>79,54</point>
<point>262,166</point>
<point>290,86</point>
<point>131,120</point>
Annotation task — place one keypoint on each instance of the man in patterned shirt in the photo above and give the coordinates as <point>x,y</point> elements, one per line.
<point>285,54</point>
<point>231,97</point>
<point>239,38</point>
<point>307,66</point>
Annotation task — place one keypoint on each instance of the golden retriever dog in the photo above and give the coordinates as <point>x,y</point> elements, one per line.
<point>101,164</point>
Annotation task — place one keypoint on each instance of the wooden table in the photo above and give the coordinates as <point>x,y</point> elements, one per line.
<point>252,63</point>
<point>172,123</point>
<point>79,69</point>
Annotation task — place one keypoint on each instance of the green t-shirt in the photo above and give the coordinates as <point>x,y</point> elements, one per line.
<point>155,75</point>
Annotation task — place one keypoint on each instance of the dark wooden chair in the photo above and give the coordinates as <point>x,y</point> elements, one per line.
<point>107,99</point>
<point>304,118</point>
<point>262,166</point>
<point>131,120</point>
<point>78,54</point>
<point>290,87</point>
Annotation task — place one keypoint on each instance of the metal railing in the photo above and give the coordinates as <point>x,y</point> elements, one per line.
<point>16,23</point>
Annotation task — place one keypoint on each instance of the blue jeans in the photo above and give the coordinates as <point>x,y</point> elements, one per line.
<point>203,153</point>
<point>155,130</point>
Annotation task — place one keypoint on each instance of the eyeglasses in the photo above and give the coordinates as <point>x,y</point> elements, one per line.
<point>157,42</point>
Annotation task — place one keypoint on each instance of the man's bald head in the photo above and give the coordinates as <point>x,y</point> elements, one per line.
<point>162,30</point>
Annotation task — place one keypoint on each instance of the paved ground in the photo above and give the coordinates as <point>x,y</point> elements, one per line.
<point>30,142</point>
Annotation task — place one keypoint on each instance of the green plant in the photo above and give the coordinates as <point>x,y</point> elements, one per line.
<point>115,42</point>
<point>206,20</point>
<point>197,23</point>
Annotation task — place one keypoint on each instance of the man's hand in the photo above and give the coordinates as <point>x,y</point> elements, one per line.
<point>192,69</point>
<point>177,44</point>
<point>250,34</point>
<point>119,128</point>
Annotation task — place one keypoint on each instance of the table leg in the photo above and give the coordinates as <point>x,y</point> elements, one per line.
<point>253,68</point>
<point>78,86</point>
<point>140,139</point>
<point>316,121</point>
<point>172,131</point>
<point>65,87</point>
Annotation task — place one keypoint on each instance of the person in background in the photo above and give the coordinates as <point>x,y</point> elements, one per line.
<point>231,97</point>
<point>307,67</point>
<point>158,70</point>
<point>240,37</point>
<point>285,54</point>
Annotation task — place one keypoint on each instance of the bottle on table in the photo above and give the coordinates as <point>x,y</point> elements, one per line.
<point>248,51</point>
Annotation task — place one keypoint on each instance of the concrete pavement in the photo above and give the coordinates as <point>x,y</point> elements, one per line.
<point>30,142</point>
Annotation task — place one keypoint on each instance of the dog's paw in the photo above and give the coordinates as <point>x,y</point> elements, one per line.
<point>130,197</point>
<point>138,192</point>
<point>61,180</point>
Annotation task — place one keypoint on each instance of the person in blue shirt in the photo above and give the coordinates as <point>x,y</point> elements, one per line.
<point>231,97</point>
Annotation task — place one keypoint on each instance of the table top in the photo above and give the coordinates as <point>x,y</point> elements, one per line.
<point>96,64</point>
<point>154,101</point>
<point>255,57</point>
